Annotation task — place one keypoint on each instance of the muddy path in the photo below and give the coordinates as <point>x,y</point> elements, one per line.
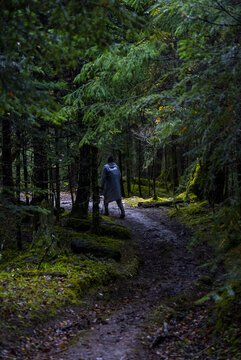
<point>167,269</point>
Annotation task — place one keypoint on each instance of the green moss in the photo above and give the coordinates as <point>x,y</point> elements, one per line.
<point>194,185</point>
<point>77,223</point>
<point>32,293</point>
<point>134,200</point>
<point>195,214</point>
<point>146,192</point>
<point>115,231</point>
<point>226,317</point>
<point>220,229</point>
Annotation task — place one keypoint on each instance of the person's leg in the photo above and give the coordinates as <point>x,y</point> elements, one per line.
<point>106,208</point>
<point>120,205</point>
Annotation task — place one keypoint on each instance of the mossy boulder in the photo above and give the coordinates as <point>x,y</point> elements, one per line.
<point>76,223</point>
<point>86,247</point>
<point>116,231</point>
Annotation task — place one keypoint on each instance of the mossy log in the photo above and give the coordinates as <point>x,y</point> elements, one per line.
<point>42,273</point>
<point>85,247</point>
<point>150,204</point>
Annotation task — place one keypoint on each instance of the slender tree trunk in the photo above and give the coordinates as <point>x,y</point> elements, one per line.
<point>238,166</point>
<point>70,173</point>
<point>70,176</point>
<point>25,170</point>
<point>139,167</point>
<point>121,170</point>
<point>128,169</point>
<point>95,189</point>
<point>40,173</point>
<point>165,168</point>
<point>51,184</point>
<point>7,174</point>
<point>18,185</point>
<point>18,165</point>
<point>80,208</point>
<point>57,176</point>
<point>149,181</point>
<point>175,180</point>
<point>154,175</point>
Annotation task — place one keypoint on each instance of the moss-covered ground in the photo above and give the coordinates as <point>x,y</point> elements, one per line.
<point>146,192</point>
<point>47,275</point>
<point>218,228</point>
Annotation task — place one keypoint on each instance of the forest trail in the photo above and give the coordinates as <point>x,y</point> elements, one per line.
<point>167,269</point>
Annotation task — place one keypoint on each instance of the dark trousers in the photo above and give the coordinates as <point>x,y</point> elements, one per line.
<point>118,202</point>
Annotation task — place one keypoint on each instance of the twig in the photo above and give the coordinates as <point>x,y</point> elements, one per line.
<point>221,7</point>
<point>213,23</point>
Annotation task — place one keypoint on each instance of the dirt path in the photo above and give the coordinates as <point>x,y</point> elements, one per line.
<point>167,269</point>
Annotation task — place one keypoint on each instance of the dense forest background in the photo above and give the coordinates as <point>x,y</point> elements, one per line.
<point>155,83</point>
<point>158,84</point>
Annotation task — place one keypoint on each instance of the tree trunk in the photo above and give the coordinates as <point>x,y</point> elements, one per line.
<point>80,208</point>
<point>40,173</point>
<point>121,170</point>
<point>18,184</point>
<point>95,189</point>
<point>238,166</point>
<point>25,170</point>
<point>18,165</point>
<point>70,173</point>
<point>139,167</point>
<point>57,177</point>
<point>128,169</point>
<point>175,179</point>
<point>7,174</point>
<point>154,176</point>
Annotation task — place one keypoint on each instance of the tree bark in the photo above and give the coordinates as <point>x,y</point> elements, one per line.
<point>128,169</point>
<point>40,173</point>
<point>70,172</point>
<point>7,174</point>
<point>80,208</point>
<point>175,178</point>
<point>121,170</point>
<point>57,176</point>
<point>154,175</point>
<point>139,167</point>
<point>95,190</point>
<point>25,170</point>
<point>18,184</point>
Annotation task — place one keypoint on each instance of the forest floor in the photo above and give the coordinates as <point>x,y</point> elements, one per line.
<point>148,317</point>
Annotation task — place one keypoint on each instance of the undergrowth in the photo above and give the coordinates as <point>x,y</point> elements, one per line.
<point>218,228</point>
<point>47,275</point>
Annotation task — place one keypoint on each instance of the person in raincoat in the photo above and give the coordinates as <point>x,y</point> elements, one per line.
<point>110,183</point>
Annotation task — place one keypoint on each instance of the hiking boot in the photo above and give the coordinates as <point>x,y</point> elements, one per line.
<point>122,215</point>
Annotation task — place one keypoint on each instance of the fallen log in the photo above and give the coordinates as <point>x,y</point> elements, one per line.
<point>149,204</point>
<point>42,273</point>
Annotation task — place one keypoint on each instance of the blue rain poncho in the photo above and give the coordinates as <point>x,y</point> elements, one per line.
<point>110,182</point>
